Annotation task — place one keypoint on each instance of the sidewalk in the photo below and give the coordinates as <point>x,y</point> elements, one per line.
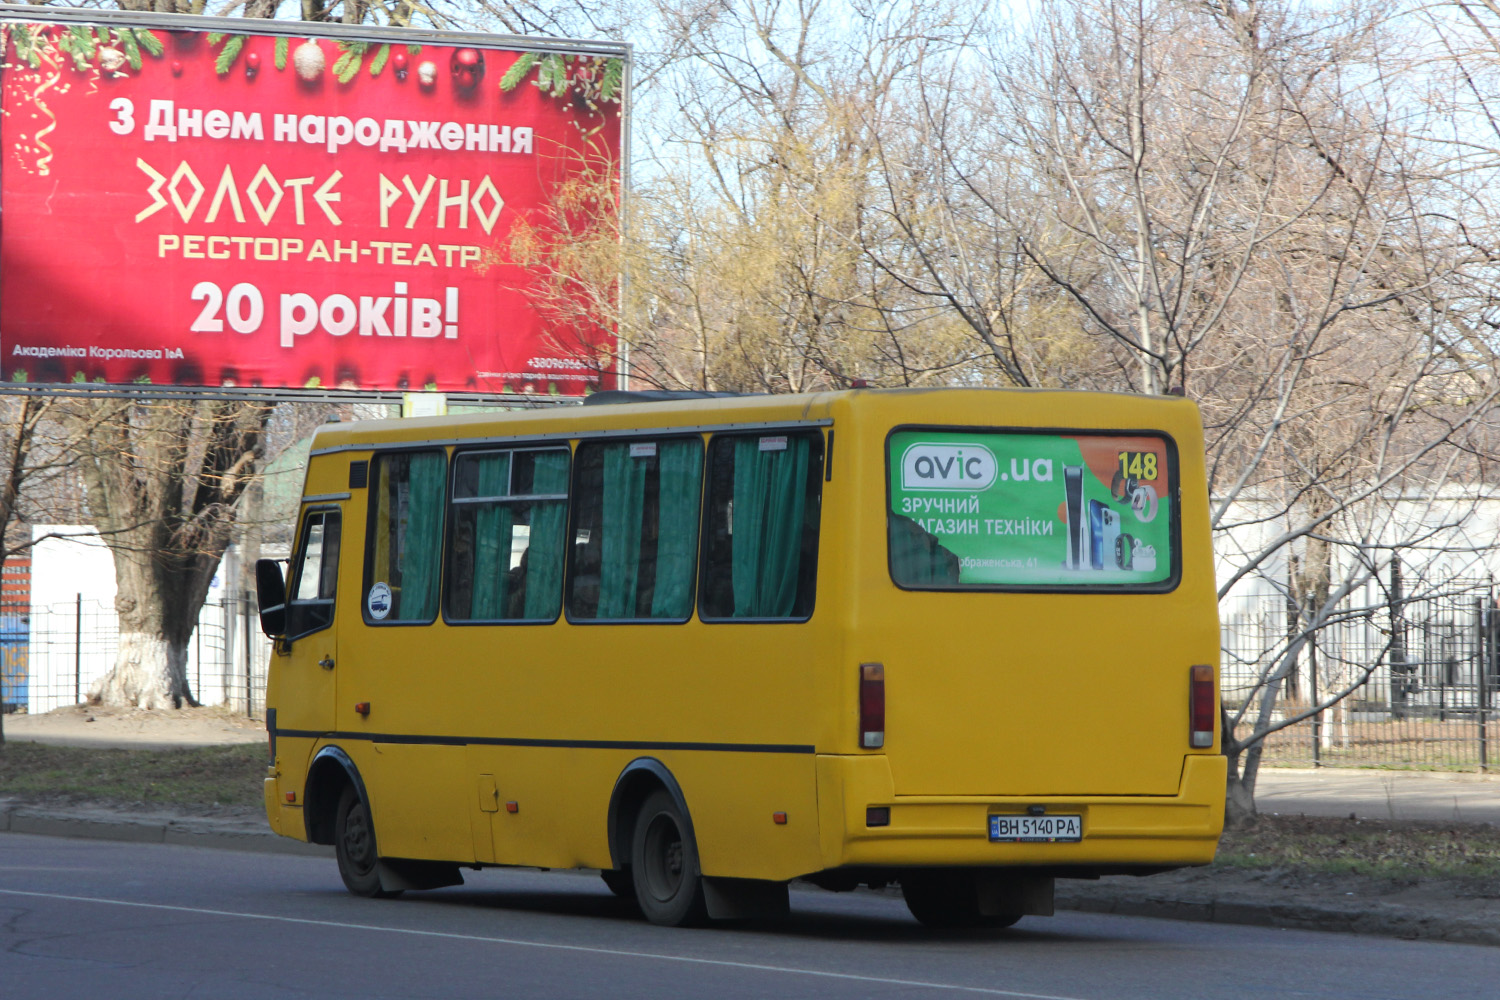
<point>1372,794</point>
<point>99,728</point>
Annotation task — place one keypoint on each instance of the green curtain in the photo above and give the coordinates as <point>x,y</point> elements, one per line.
<point>770,497</point>
<point>493,524</point>
<point>549,521</point>
<point>680,465</point>
<point>916,557</point>
<point>422,545</point>
<point>620,547</point>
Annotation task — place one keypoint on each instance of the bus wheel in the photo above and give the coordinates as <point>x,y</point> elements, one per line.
<point>946,899</point>
<point>664,863</point>
<point>619,881</point>
<point>354,843</point>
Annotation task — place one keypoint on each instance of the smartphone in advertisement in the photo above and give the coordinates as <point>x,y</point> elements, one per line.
<point>1104,536</point>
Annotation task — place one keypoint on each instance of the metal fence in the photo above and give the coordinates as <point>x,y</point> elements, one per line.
<point>50,656</point>
<point>1424,671</point>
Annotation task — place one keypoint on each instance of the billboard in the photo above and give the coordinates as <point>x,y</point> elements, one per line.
<point>183,202</point>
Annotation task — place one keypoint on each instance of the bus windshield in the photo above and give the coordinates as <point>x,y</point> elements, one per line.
<point>1032,510</point>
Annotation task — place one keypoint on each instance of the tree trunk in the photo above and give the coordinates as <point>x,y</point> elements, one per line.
<point>157,600</point>
<point>149,672</point>
<point>1239,797</point>
<point>165,480</point>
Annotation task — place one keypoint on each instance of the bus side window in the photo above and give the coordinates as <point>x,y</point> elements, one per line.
<point>760,526</point>
<point>635,529</point>
<point>311,605</point>
<point>505,558</point>
<point>404,549</point>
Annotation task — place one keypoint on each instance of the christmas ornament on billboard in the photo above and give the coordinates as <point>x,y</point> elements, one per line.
<point>44,57</point>
<point>111,61</point>
<point>427,75</point>
<point>308,60</point>
<point>398,63</point>
<point>467,67</point>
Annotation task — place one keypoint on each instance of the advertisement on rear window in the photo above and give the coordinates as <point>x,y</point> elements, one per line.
<point>226,208</point>
<point>1030,510</point>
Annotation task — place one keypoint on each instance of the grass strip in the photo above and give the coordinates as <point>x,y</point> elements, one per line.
<point>209,777</point>
<point>189,778</point>
<point>1407,850</point>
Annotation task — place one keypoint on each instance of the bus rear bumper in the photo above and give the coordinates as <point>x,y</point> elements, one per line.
<point>1119,833</point>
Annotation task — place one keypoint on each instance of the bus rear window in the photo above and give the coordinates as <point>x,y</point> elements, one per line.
<point>1032,510</point>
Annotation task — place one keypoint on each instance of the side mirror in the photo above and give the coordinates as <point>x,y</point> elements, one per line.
<point>270,591</point>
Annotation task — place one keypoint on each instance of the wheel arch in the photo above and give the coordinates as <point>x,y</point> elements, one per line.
<point>639,779</point>
<point>328,774</point>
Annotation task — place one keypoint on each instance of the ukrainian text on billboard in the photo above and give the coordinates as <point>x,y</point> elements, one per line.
<point>192,208</point>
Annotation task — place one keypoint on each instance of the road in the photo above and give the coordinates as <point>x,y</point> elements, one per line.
<point>99,919</point>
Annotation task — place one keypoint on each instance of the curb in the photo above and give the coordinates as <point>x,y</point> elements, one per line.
<point>1193,905</point>
<point>1375,919</point>
<point>205,832</point>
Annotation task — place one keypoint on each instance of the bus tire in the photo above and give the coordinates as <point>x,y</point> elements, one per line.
<point>948,898</point>
<point>354,844</point>
<point>664,864</point>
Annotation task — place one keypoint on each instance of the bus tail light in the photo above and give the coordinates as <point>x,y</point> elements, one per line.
<point>1201,708</point>
<point>871,705</point>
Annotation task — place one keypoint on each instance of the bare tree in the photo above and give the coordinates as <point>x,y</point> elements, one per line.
<point>742,239</point>
<point>164,482</point>
<point>39,472</point>
<point>1257,204</point>
<point>1242,201</point>
<point>17,439</point>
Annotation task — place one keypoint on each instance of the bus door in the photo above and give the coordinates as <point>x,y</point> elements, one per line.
<point>307,659</point>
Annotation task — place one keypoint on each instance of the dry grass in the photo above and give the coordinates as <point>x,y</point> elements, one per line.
<point>1402,850</point>
<point>188,778</point>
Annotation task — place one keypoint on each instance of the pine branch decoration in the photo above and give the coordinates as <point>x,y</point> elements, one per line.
<point>229,53</point>
<point>518,71</point>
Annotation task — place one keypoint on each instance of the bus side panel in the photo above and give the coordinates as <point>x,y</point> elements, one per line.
<point>561,799</point>
<point>420,796</point>
<point>734,799</point>
<point>737,690</point>
<point>417,800</point>
<point>560,805</point>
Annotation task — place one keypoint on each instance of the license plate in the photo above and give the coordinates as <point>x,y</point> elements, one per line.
<point>1036,829</point>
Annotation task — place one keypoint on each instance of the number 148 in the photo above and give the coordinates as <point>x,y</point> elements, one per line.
<point>1138,465</point>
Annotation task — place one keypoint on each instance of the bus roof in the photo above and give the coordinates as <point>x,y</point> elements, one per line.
<point>1056,407</point>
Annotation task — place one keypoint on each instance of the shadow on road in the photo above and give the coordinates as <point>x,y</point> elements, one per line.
<point>862,917</point>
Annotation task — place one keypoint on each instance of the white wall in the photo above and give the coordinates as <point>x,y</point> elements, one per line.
<point>72,599</point>
<point>73,625</point>
<point>1456,533</point>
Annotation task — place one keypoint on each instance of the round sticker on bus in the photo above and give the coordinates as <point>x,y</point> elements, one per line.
<point>379,601</point>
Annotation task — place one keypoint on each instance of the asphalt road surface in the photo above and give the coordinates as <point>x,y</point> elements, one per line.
<point>99,920</point>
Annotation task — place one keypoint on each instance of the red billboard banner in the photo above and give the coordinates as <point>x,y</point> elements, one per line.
<point>206,208</point>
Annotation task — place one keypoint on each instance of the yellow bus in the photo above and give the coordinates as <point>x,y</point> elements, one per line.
<point>965,641</point>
